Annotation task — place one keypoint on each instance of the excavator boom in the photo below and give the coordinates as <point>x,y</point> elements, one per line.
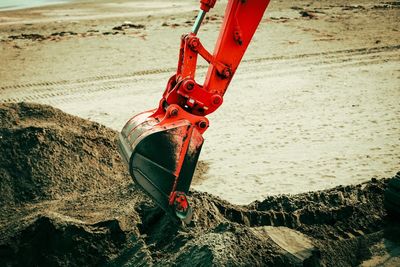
<point>162,146</point>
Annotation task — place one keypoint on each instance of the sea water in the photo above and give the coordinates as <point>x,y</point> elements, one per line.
<point>17,4</point>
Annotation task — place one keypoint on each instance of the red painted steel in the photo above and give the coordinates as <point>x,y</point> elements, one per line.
<point>239,25</point>
<point>186,101</point>
<point>241,21</point>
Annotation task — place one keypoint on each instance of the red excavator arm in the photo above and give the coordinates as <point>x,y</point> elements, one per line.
<point>162,146</point>
<point>240,23</point>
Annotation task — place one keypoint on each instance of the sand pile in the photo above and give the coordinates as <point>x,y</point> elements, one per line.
<point>48,155</point>
<point>67,200</point>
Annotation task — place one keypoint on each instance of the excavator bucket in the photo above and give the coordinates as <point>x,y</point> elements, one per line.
<point>161,152</point>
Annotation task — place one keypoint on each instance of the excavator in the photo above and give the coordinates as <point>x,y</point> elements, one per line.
<point>161,146</point>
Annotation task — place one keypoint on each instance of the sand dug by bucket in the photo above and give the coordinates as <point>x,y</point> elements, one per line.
<point>67,200</point>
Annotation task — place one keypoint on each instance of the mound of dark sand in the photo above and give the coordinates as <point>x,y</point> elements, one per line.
<point>46,154</point>
<point>67,200</point>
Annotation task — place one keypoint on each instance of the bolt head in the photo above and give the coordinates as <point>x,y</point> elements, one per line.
<point>173,112</point>
<point>189,86</point>
<point>216,100</point>
<point>203,124</point>
<point>227,73</point>
<point>195,43</point>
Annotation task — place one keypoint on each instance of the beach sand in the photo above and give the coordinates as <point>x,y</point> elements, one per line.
<point>314,104</point>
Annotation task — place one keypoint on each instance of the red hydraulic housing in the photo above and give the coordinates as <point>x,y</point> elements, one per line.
<point>162,146</point>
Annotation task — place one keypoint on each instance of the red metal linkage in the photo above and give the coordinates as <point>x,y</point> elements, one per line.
<point>183,97</point>
<point>179,121</point>
<point>207,4</point>
<point>241,20</point>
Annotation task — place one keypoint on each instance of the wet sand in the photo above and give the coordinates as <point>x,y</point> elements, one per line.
<point>23,4</point>
<point>313,105</point>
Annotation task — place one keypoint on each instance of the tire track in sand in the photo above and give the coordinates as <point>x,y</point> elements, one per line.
<point>64,91</point>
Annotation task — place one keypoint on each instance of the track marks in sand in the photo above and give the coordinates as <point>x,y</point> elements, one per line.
<point>61,91</point>
<point>314,118</point>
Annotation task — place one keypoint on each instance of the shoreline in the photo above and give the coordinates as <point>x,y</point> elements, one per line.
<point>32,5</point>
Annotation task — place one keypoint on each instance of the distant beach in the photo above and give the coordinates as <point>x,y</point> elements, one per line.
<point>19,4</point>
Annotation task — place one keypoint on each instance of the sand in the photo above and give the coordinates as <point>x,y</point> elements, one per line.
<point>313,105</point>
<point>62,212</point>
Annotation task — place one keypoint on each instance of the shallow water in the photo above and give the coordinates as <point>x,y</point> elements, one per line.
<point>17,4</point>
